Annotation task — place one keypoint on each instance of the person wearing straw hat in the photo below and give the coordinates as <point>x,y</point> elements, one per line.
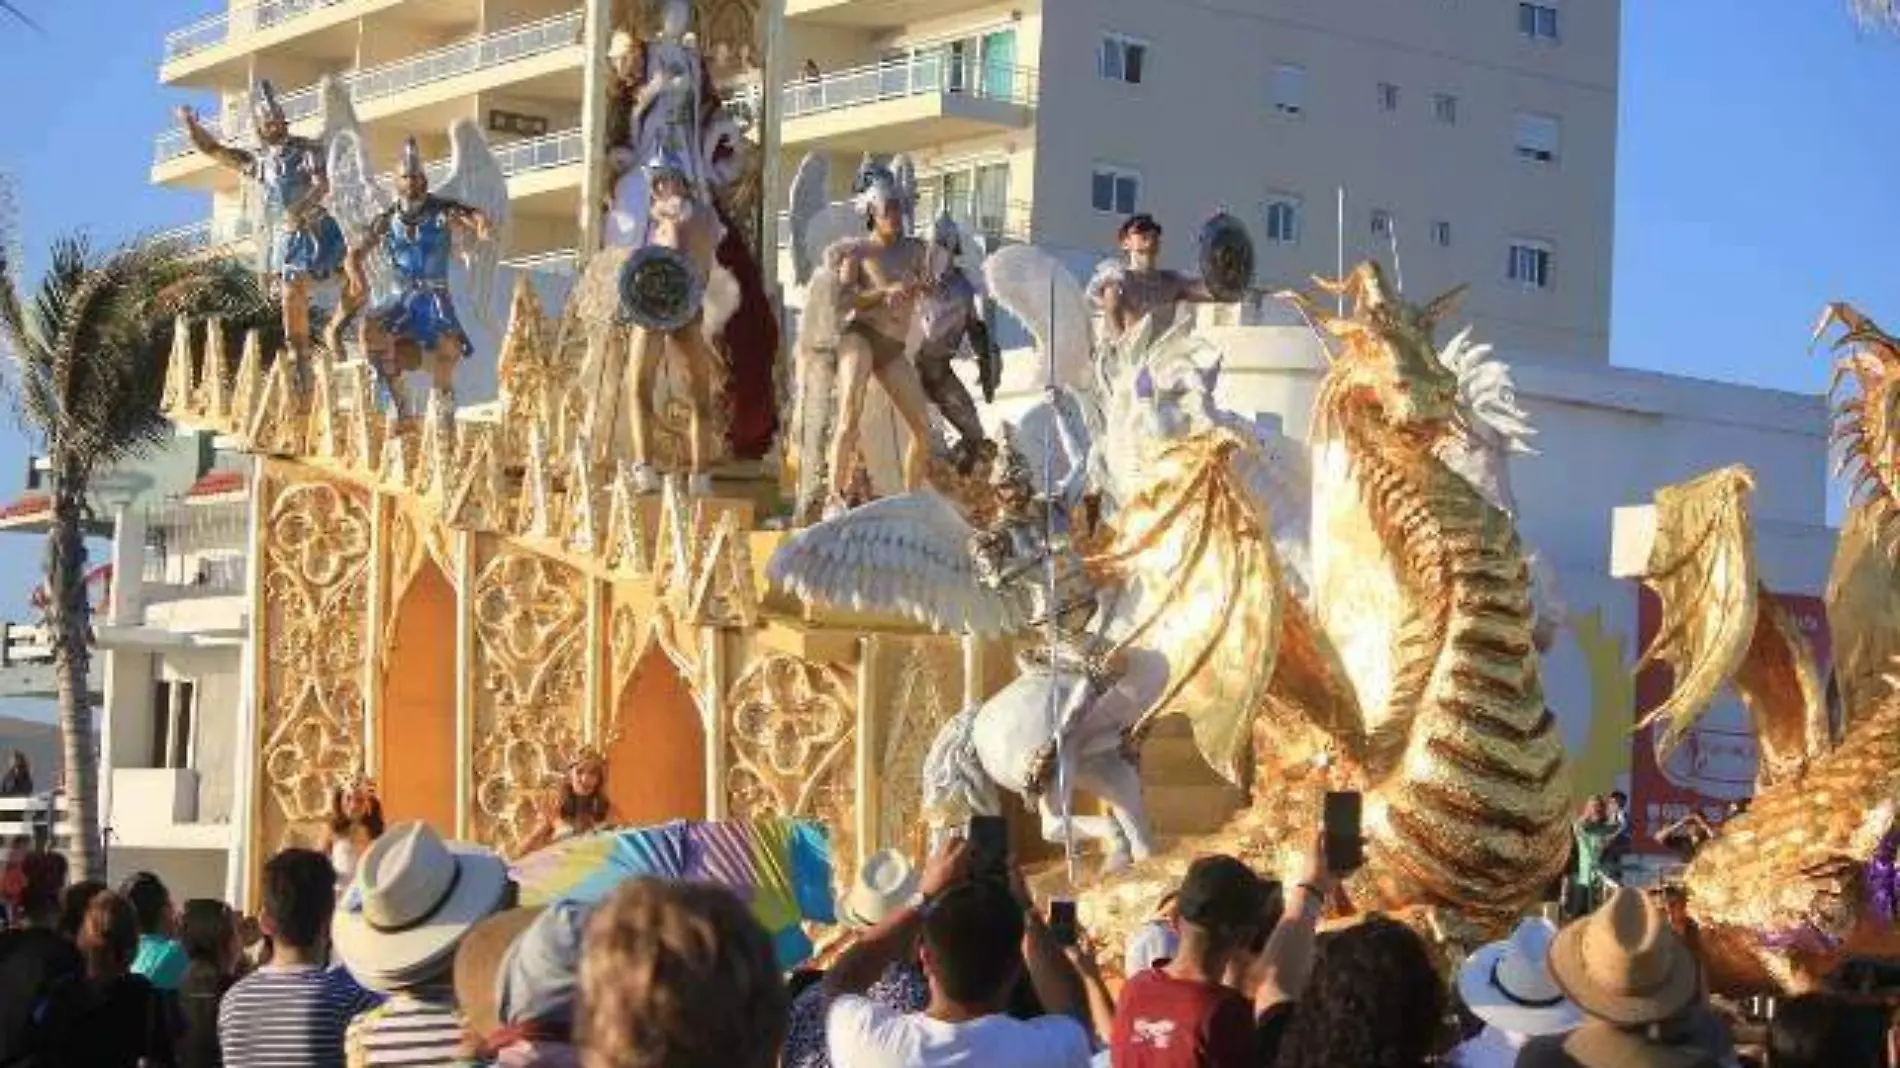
<point>414,900</point>
<point>1508,985</point>
<point>1636,984</point>
<point>886,883</point>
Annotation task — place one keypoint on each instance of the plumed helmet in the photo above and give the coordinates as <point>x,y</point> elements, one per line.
<point>412,160</point>
<point>944,232</point>
<point>264,106</point>
<point>877,186</point>
<point>665,163</point>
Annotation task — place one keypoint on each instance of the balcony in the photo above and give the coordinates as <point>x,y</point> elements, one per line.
<point>904,104</point>
<point>216,50</point>
<point>877,14</point>
<point>208,236</point>
<point>564,261</point>
<point>387,89</point>
<point>195,550</point>
<point>157,808</point>
<point>998,225</point>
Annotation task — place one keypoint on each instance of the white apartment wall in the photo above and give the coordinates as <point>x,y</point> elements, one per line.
<point>187,873</point>
<point>1201,132</point>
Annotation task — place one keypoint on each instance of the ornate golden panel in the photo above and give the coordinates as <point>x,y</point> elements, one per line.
<point>312,621</point>
<point>790,732</point>
<point>921,687</point>
<point>530,621</point>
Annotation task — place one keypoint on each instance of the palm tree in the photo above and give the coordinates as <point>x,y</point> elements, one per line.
<point>18,14</point>
<point>88,355</point>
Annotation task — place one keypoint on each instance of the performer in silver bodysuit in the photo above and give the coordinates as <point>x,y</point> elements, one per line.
<point>950,314</point>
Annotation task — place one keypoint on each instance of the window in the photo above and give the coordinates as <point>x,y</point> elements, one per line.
<point>1530,264</point>
<point>1538,137</point>
<point>1289,89</point>
<point>1283,220</point>
<point>174,704</point>
<point>1121,59</point>
<point>1114,190</point>
<point>1382,222</point>
<point>1388,97</point>
<point>1441,233</point>
<point>1537,21</point>
<point>1445,108</point>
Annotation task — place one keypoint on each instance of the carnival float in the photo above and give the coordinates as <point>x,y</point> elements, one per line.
<point>891,633</point>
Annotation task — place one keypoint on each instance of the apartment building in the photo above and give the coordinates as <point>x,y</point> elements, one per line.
<point>170,626</point>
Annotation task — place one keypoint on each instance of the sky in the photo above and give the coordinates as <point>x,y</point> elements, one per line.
<point>1755,165</point>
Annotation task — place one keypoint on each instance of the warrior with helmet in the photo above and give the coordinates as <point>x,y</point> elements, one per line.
<point>882,279</point>
<point>949,314</point>
<point>416,323</point>
<point>291,173</point>
<point>677,256</point>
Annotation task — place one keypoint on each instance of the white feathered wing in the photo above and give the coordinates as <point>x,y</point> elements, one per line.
<point>907,556</point>
<point>476,179</point>
<point>357,197</point>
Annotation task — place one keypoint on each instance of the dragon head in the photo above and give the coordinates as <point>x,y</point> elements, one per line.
<point>1387,360</point>
<point>1866,417</point>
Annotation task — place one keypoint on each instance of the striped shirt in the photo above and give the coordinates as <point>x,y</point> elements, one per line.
<point>289,1016</point>
<point>413,1028</point>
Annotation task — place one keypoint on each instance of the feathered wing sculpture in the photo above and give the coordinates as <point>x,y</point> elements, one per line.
<point>906,556</point>
<point>476,179</point>
<point>1719,626</point>
<point>1863,591</point>
<point>808,198</point>
<point>357,197</point>
<point>1202,587</point>
<point>1040,292</point>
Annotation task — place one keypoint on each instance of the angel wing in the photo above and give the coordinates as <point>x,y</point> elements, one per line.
<point>826,233</point>
<point>1201,588</point>
<point>357,197</point>
<point>905,172</point>
<point>476,179</point>
<point>808,198</point>
<point>907,556</point>
<point>1719,626</point>
<point>339,107</point>
<point>1038,290</point>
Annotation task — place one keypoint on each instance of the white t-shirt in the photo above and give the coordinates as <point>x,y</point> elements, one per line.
<point>860,1033</point>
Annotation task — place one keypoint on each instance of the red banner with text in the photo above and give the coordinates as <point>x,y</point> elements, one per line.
<point>1714,765</point>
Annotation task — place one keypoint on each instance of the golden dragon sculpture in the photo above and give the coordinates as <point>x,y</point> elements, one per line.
<point>1805,879</point>
<point>1414,677</point>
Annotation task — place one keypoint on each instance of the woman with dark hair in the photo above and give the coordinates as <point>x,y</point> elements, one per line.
<point>579,806</point>
<point>1374,1001</point>
<point>119,1019</point>
<point>73,904</point>
<point>356,821</point>
<point>208,932</point>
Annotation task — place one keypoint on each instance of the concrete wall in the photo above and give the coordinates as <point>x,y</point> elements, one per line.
<point>187,873</point>
<point>1202,133</point>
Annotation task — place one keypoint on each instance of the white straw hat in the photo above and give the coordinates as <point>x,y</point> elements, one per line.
<point>1509,986</point>
<point>413,898</point>
<point>886,882</point>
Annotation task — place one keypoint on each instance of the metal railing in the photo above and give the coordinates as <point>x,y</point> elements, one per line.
<point>399,76</point>
<point>917,74</point>
<point>199,548</point>
<point>519,157</point>
<point>40,818</point>
<point>1014,222</point>
<point>25,643</point>
<point>207,233</point>
<point>216,29</point>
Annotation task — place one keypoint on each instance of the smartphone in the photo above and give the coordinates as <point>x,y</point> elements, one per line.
<point>1345,849</point>
<point>1062,925</point>
<point>989,847</point>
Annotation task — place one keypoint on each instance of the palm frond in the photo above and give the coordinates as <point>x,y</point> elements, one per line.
<point>1881,13</point>
<point>89,353</point>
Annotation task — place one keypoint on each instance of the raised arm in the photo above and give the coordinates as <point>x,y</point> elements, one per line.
<point>887,943</point>
<point>1287,962</point>
<point>1054,979</point>
<point>235,158</point>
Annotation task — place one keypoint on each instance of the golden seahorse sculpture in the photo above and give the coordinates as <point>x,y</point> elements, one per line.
<point>1805,878</point>
<point>1414,678</point>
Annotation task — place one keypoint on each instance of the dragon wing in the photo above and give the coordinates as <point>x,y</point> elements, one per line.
<point>1201,588</point>
<point>1038,290</point>
<point>1719,626</point>
<point>357,198</point>
<point>1863,592</point>
<point>907,555</point>
<point>808,198</point>
<point>476,179</point>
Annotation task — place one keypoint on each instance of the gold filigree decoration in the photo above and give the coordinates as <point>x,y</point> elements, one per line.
<point>927,685</point>
<point>789,743</point>
<point>315,596</point>
<point>530,628</point>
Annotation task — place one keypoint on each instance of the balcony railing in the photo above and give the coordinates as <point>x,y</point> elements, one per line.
<point>402,75</point>
<point>208,233</point>
<point>1012,221</point>
<point>559,261</point>
<point>196,548</point>
<point>520,157</point>
<point>245,18</point>
<point>918,74</point>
